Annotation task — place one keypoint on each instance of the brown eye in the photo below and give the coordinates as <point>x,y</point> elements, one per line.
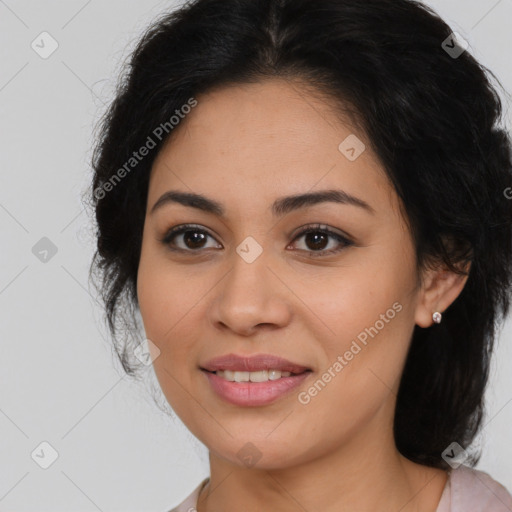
<point>192,238</point>
<point>316,239</point>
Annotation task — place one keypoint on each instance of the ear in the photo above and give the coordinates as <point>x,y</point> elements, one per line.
<point>440,289</point>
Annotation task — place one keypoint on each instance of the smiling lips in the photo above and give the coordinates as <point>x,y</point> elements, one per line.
<point>255,380</point>
<point>254,363</point>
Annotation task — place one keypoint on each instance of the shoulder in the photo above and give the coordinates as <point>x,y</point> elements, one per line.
<point>473,490</point>
<point>190,502</point>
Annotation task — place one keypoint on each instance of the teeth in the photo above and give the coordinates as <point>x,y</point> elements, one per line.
<point>261,376</point>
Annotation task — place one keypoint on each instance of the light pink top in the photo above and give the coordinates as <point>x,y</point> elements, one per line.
<point>466,490</point>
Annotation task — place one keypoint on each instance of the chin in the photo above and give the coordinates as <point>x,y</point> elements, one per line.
<point>257,451</point>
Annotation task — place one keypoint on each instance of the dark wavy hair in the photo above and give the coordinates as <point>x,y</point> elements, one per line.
<point>434,118</point>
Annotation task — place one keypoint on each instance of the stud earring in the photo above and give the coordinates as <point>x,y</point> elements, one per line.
<point>436,317</point>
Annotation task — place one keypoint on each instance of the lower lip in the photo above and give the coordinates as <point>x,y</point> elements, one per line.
<point>251,394</point>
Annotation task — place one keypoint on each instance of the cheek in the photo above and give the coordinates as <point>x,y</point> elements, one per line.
<point>166,305</point>
<point>172,304</point>
<point>346,301</point>
<point>363,366</point>
<point>363,315</point>
<point>165,296</point>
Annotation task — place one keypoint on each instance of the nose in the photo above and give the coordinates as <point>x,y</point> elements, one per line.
<point>251,297</point>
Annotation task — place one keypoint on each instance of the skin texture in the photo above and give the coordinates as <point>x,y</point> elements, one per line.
<point>245,146</point>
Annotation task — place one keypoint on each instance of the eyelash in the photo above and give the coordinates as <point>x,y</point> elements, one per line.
<point>315,228</point>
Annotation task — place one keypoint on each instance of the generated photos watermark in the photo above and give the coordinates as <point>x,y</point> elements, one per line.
<point>305,397</point>
<point>159,134</point>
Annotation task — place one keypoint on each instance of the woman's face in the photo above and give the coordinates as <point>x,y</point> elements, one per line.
<point>247,282</point>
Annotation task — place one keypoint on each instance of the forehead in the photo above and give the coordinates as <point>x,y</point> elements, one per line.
<point>253,142</point>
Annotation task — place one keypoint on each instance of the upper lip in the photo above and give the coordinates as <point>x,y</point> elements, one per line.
<point>252,363</point>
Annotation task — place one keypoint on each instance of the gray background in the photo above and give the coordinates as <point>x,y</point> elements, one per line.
<point>59,382</point>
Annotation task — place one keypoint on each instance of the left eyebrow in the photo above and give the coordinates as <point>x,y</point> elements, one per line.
<point>285,205</point>
<point>280,207</point>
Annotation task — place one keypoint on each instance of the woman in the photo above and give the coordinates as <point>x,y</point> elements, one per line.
<point>305,200</point>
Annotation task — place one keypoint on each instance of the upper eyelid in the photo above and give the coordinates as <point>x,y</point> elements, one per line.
<point>320,227</point>
<point>297,233</point>
<point>180,229</point>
